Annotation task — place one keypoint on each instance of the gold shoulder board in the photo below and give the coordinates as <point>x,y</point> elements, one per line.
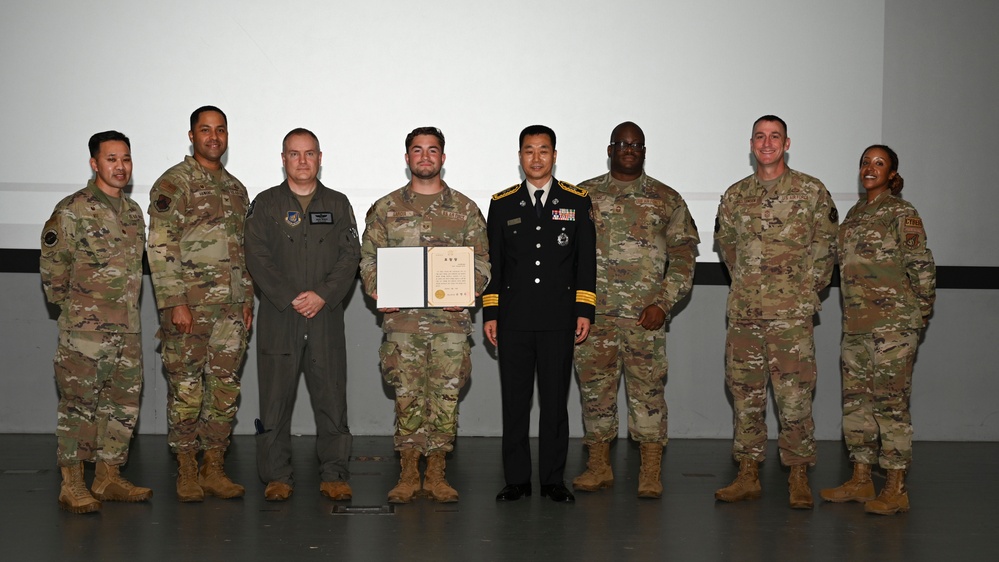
<point>572,188</point>
<point>508,191</point>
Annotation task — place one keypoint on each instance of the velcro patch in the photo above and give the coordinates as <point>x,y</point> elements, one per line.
<point>163,203</point>
<point>833,215</point>
<point>320,217</point>
<point>913,224</point>
<point>51,237</point>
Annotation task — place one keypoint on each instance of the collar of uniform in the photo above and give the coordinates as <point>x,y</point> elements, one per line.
<point>407,194</point>
<point>223,174</point>
<point>624,186</point>
<point>873,206</point>
<point>104,198</point>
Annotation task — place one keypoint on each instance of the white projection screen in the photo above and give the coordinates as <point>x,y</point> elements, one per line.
<point>694,75</point>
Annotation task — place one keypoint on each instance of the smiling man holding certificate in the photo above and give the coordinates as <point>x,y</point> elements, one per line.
<point>418,243</point>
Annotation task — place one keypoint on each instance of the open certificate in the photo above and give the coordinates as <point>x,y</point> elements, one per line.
<point>426,277</point>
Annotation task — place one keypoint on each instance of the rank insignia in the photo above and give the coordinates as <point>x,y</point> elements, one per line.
<point>293,218</point>
<point>353,232</point>
<point>563,239</point>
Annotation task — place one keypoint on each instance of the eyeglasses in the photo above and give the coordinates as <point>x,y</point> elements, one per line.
<point>622,146</point>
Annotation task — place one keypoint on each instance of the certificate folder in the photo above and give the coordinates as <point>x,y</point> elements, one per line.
<point>425,277</point>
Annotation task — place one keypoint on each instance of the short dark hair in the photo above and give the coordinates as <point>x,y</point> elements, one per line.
<point>432,131</point>
<point>98,138</point>
<point>197,113</point>
<point>299,131</point>
<point>896,183</point>
<point>772,119</point>
<point>536,130</point>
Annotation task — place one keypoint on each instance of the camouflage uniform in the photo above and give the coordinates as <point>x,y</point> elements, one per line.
<point>91,266</point>
<point>425,356</point>
<point>778,241</point>
<point>646,241</point>
<point>196,258</point>
<point>888,287</point>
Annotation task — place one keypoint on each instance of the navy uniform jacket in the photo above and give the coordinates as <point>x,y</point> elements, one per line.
<point>544,272</point>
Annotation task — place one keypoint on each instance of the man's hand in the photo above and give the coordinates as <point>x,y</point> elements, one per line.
<point>182,318</point>
<point>582,329</point>
<point>383,310</point>
<point>652,318</point>
<point>248,315</point>
<point>490,330</point>
<point>308,304</point>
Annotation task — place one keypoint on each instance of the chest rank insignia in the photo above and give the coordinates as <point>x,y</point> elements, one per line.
<point>293,218</point>
<point>563,214</point>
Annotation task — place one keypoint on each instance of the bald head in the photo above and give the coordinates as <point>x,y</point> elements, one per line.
<point>627,151</point>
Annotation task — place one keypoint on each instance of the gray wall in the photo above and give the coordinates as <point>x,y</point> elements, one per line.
<point>953,393</point>
<point>939,85</point>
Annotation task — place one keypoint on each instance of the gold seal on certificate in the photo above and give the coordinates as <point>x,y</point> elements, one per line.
<point>422,277</point>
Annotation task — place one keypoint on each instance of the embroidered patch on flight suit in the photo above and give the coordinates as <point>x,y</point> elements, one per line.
<point>320,217</point>
<point>293,218</point>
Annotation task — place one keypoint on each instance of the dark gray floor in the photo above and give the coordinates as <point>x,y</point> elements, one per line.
<point>953,491</point>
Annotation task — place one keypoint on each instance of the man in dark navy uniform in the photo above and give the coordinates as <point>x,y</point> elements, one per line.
<point>538,305</point>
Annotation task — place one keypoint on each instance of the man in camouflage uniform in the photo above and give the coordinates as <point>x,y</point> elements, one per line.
<point>646,242</point>
<point>205,298</point>
<point>425,356</point>
<point>91,266</point>
<point>302,250</point>
<point>776,232</point>
<point>888,287</point>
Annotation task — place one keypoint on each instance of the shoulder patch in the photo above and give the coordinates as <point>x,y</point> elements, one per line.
<point>50,237</point>
<point>913,223</point>
<point>573,189</point>
<point>505,192</point>
<point>833,215</point>
<point>163,196</point>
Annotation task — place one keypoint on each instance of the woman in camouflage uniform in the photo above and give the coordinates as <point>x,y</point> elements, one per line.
<point>888,287</point>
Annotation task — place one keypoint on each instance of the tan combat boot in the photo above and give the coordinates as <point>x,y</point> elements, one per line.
<point>746,485</point>
<point>649,478</point>
<point>797,486</point>
<point>434,484</point>
<point>409,479</point>
<point>109,486</point>
<point>859,488</point>
<point>213,479</point>
<point>188,489</point>
<point>74,496</point>
<point>598,473</point>
<point>894,498</point>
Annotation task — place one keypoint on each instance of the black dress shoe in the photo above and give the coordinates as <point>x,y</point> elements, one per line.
<point>513,492</point>
<point>557,493</point>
